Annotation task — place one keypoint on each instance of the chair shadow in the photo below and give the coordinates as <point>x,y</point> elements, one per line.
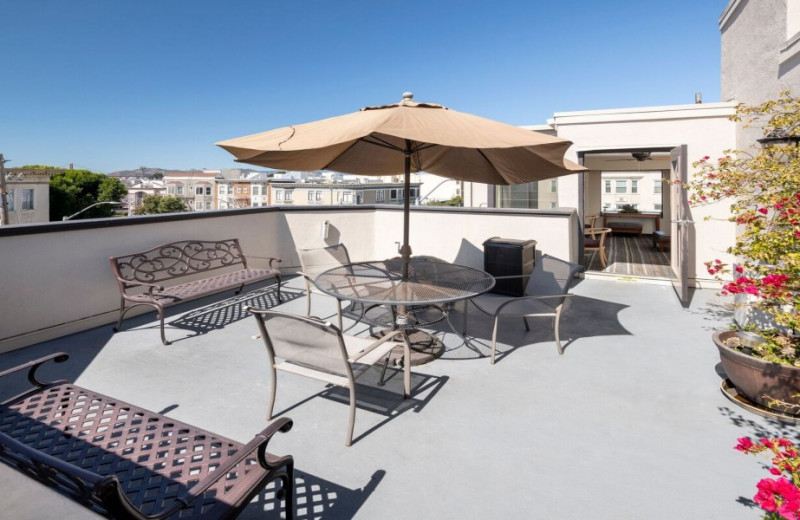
<point>314,498</point>
<point>387,400</point>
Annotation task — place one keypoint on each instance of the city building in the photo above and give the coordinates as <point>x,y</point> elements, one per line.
<point>196,188</point>
<point>140,189</point>
<point>28,195</point>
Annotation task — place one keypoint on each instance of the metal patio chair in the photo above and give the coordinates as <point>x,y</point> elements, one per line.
<point>545,294</point>
<point>312,348</point>
<point>318,260</point>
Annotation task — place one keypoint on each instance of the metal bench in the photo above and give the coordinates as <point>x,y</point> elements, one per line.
<point>633,228</point>
<point>147,277</point>
<point>122,461</point>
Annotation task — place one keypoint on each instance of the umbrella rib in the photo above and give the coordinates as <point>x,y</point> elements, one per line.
<point>380,142</point>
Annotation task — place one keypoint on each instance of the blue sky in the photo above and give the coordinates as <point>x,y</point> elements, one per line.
<point>109,85</point>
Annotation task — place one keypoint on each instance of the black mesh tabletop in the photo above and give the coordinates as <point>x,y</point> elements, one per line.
<point>381,282</point>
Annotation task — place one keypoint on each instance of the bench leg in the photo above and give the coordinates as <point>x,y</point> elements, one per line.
<point>287,491</point>
<point>161,321</point>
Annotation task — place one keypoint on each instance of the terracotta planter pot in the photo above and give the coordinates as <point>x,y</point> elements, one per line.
<point>757,380</point>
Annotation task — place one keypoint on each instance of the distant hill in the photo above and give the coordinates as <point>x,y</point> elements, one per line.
<point>149,172</point>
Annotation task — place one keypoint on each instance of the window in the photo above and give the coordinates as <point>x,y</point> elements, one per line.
<point>622,186</point>
<point>318,197</point>
<point>179,190</point>
<point>10,200</point>
<point>657,207</point>
<point>310,196</point>
<point>393,194</point>
<point>208,190</point>
<point>413,193</point>
<point>27,198</point>
<point>198,190</point>
<point>208,205</point>
<point>198,206</point>
<point>287,196</point>
<point>553,185</point>
<point>171,190</point>
<point>255,190</point>
<point>380,195</point>
<point>347,197</point>
<point>223,189</point>
<point>553,205</point>
<point>634,186</point>
<point>657,186</point>
<point>278,195</point>
<point>607,186</point>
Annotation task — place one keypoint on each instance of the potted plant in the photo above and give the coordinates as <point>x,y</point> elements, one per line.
<point>763,186</point>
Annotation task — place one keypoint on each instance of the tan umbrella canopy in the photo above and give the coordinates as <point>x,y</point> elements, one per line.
<point>410,137</point>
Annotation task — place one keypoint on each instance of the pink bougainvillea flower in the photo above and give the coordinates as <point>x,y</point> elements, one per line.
<point>765,498</point>
<point>744,444</point>
<point>739,269</point>
<point>763,211</point>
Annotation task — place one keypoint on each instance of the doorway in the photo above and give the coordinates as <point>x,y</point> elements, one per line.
<point>627,191</point>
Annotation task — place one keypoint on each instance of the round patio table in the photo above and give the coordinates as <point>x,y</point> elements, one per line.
<point>431,284</point>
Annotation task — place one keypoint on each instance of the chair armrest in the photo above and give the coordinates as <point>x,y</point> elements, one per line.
<point>375,344</point>
<point>58,357</point>
<point>511,276</point>
<point>521,298</point>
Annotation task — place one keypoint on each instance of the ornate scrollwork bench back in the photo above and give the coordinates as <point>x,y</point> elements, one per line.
<point>143,278</point>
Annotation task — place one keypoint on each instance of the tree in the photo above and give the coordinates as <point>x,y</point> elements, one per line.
<point>455,201</point>
<point>156,204</point>
<point>74,190</point>
<point>763,189</point>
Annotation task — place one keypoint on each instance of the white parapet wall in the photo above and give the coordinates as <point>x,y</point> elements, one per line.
<point>56,278</point>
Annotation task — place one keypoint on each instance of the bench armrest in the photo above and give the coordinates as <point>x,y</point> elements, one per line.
<point>259,442</point>
<point>273,260</point>
<point>58,357</point>
<point>150,286</point>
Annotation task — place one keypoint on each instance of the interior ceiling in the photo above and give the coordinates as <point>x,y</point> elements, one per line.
<point>656,160</point>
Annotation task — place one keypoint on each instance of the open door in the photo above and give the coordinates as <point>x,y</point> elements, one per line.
<point>681,220</point>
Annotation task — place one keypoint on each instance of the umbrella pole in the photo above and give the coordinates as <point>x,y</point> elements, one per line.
<point>405,251</point>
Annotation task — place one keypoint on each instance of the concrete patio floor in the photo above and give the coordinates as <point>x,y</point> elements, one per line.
<point>628,423</point>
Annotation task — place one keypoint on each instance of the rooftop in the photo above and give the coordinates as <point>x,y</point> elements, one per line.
<point>625,424</point>
<point>628,423</point>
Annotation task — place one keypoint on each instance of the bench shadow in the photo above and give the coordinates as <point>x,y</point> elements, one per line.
<point>315,498</point>
<point>218,314</point>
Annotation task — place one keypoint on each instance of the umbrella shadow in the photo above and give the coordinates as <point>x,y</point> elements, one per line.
<point>314,498</point>
<point>582,317</point>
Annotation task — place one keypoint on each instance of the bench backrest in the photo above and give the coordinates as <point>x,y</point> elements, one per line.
<point>177,259</point>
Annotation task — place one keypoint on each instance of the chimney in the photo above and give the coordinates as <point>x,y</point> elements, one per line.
<point>698,97</point>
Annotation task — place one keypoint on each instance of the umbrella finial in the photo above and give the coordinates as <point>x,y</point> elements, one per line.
<point>408,96</point>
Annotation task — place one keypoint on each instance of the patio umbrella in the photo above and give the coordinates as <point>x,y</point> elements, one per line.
<point>410,137</point>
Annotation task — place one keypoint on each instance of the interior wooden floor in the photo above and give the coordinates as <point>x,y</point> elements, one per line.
<point>631,255</point>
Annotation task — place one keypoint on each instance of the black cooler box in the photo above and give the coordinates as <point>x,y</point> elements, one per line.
<point>509,257</point>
